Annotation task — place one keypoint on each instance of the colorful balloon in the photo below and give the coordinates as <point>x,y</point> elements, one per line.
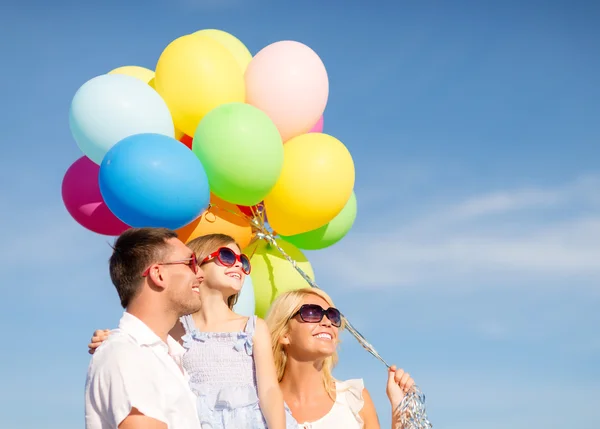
<point>108,108</point>
<point>250,211</point>
<point>330,233</point>
<point>178,133</point>
<point>318,127</point>
<point>186,140</point>
<point>246,305</point>
<point>153,180</point>
<point>83,200</point>
<point>272,274</point>
<point>239,51</point>
<point>141,73</point>
<point>314,186</point>
<point>241,151</point>
<point>288,81</point>
<point>195,74</point>
<point>221,217</point>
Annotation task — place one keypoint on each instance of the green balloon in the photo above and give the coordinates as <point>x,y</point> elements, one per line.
<point>272,274</point>
<point>241,151</point>
<point>330,233</point>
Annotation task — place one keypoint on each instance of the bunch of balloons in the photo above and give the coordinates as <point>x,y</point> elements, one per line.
<point>207,141</point>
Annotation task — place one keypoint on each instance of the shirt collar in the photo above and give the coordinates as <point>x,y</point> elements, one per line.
<point>144,335</point>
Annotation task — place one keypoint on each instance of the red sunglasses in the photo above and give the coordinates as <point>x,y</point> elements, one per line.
<point>228,258</point>
<point>191,262</point>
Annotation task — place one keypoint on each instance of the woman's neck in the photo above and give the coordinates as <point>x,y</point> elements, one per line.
<point>302,380</point>
<point>214,311</point>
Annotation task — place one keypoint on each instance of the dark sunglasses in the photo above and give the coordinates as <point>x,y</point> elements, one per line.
<point>191,262</point>
<point>227,257</point>
<point>313,313</point>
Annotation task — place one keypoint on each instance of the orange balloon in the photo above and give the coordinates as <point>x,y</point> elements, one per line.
<point>221,217</point>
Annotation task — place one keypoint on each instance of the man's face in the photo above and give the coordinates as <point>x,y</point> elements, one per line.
<point>182,279</point>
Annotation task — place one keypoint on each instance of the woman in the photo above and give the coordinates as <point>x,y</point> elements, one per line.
<point>304,328</point>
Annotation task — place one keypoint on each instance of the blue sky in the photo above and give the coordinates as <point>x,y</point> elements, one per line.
<point>473,262</point>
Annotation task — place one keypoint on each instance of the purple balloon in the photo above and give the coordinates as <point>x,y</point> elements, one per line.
<point>82,198</point>
<point>318,127</point>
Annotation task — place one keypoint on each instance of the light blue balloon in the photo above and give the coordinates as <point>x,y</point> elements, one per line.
<point>245,304</point>
<point>110,107</point>
<point>153,180</point>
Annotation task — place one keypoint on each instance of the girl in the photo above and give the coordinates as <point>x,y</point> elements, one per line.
<point>228,357</point>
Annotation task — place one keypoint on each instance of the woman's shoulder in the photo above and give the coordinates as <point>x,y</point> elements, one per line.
<point>355,386</point>
<point>358,400</point>
<point>352,391</point>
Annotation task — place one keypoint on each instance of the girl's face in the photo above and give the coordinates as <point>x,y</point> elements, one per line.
<point>220,275</point>
<point>313,339</point>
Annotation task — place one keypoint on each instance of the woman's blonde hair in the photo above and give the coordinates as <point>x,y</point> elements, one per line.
<point>206,244</point>
<point>278,318</point>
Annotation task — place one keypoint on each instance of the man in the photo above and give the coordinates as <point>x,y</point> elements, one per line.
<point>134,381</point>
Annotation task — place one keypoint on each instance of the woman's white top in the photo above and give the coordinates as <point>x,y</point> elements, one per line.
<point>344,413</point>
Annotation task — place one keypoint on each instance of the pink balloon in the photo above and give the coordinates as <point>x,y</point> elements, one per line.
<point>288,81</point>
<point>318,127</point>
<point>82,198</point>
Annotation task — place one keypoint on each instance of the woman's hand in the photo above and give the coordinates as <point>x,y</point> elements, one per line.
<point>398,385</point>
<point>97,338</point>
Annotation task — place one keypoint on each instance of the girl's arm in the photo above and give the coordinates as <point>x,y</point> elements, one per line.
<point>100,335</point>
<point>269,394</point>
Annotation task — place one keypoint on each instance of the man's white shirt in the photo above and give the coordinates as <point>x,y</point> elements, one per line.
<point>134,368</point>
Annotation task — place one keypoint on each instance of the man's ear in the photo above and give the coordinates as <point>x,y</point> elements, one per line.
<point>157,276</point>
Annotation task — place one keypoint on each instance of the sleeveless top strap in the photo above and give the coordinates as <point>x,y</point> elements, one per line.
<point>250,325</point>
<point>350,392</point>
<point>188,323</point>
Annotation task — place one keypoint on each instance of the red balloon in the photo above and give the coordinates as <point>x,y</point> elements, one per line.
<point>247,210</point>
<point>252,211</point>
<point>82,198</point>
<point>186,140</point>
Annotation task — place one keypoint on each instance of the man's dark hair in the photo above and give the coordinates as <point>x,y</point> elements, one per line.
<point>134,251</point>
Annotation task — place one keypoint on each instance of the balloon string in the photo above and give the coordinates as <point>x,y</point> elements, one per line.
<point>412,413</point>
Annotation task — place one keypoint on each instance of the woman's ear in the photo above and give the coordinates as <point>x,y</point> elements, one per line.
<point>285,340</point>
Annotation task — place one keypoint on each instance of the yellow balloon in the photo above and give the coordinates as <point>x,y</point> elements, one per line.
<point>315,184</point>
<point>233,44</point>
<point>272,274</point>
<point>178,133</point>
<point>141,73</point>
<point>195,74</point>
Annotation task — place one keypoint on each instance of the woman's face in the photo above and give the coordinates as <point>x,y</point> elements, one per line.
<point>305,340</point>
<point>220,276</point>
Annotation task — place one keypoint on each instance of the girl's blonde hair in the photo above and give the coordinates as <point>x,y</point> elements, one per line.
<point>206,244</point>
<point>278,318</point>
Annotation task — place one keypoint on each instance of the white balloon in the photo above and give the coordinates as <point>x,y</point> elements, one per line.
<point>110,107</point>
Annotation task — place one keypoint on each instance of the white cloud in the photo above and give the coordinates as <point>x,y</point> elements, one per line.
<point>532,233</point>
